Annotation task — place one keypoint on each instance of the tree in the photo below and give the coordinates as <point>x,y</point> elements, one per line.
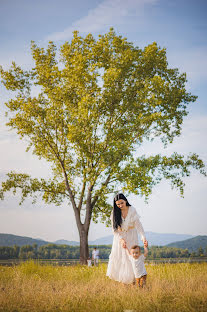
<point>95,105</point>
<point>200,252</point>
<point>193,254</point>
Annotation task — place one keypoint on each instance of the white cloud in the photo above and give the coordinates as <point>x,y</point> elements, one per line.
<point>104,15</point>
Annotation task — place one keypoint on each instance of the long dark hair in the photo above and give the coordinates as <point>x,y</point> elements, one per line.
<point>117,220</point>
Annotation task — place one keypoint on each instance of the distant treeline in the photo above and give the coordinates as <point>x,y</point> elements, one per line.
<point>50,251</point>
<point>53,251</point>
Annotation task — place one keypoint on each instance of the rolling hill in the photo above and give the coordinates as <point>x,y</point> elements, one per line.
<point>191,244</point>
<point>11,240</point>
<point>158,239</point>
<point>154,239</point>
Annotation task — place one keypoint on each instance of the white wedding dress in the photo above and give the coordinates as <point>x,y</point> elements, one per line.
<point>119,266</point>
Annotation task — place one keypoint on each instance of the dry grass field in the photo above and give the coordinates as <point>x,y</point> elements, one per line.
<point>170,287</point>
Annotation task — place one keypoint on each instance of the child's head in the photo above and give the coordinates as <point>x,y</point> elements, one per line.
<point>135,251</point>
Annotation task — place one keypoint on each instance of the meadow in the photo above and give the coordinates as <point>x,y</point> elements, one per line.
<point>170,287</point>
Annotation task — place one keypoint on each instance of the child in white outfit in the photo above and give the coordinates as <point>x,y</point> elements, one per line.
<point>95,256</point>
<point>137,260</point>
<point>89,262</point>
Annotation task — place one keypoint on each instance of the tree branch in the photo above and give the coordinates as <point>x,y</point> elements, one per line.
<point>52,192</point>
<point>72,199</point>
<point>88,208</point>
<point>140,175</point>
<point>100,190</point>
<point>81,196</point>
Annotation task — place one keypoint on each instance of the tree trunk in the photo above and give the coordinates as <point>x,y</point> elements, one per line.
<point>82,228</point>
<point>84,251</point>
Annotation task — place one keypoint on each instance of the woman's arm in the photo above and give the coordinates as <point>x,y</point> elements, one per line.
<point>145,251</point>
<point>145,248</point>
<point>119,235</point>
<point>127,250</point>
<point>139,226</point>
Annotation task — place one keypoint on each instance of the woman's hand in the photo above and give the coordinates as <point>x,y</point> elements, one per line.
<point>123,243</point>
<point>145,243</point>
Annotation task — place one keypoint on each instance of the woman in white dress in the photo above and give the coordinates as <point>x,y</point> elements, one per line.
<point>126,226</point>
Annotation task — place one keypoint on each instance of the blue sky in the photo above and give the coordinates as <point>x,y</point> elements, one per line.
<point>180,27</point>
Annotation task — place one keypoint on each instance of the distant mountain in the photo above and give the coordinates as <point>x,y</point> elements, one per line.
<point>106,240</point>
<point>10,240</point>
<point>162,239</point>
<point>154,239</point>
<point>191,244</point>
<point>66,242</point>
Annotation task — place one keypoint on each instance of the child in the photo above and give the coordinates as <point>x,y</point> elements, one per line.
<point>137,260</point>
<point>89,262</point>
<point>95,256</point>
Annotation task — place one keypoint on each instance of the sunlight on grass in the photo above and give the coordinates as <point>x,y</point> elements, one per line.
<point>170,287</point>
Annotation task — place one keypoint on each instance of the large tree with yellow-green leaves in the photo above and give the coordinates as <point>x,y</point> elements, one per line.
<point>96,102</point>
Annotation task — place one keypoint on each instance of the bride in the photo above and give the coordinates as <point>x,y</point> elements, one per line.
<point>126,227</point>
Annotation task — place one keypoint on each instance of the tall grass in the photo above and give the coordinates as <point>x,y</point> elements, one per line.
<point>170,287</point>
